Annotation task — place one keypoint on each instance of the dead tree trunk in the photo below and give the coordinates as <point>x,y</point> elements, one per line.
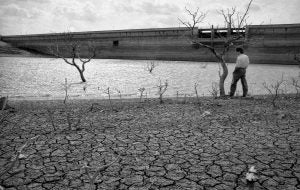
<point>223,77</point>
<point>81,71</point>
<point>82,76</point>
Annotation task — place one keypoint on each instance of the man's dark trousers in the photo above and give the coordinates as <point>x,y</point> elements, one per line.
<point>239,73</point>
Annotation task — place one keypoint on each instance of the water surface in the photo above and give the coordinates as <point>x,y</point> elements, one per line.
<point>44,78</point>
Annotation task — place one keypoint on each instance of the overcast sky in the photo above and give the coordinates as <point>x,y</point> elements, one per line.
<point>46,16</point>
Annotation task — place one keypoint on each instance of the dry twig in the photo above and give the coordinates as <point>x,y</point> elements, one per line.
<point>19,155</point>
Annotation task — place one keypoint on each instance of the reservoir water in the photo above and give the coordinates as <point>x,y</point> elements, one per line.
<point>44,78</point>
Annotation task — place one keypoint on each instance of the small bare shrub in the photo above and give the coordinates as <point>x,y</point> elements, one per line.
<point>141,90</point>
<point>150,66</point>
<point>120,94</point>
<point>197,95</point>
<point>146,94</point>
<point>66,87</point>
<point>274,90</point>
<point>162,88</point>
<point>68,111</point>
<point>214,89</point>
<point>107,91</point>
<point>296,84</point>
<point>84,88</point>
<point>3,106</point>
<point>185,99</point>
<point>203,66</point>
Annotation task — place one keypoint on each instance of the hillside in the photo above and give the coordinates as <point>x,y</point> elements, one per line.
<point>6,50</point>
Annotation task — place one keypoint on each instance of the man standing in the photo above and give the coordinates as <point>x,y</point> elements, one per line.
<point>239,72</point>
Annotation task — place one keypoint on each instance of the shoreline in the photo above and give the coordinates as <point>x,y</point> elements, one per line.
<point>118,58</point>
<point>49,103</point>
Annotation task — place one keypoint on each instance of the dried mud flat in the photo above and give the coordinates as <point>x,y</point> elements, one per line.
<point>175,145</point>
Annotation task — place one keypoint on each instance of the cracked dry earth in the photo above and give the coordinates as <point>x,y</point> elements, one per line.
<point>152,146</point>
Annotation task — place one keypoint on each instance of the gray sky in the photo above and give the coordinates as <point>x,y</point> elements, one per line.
<point>46,16</point>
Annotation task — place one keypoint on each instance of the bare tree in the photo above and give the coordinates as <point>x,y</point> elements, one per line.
<point>234,20</point>
<point>295,83</point>
<point>70,50</point>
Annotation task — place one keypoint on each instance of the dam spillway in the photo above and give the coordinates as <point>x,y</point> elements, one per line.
<point>265,44</point>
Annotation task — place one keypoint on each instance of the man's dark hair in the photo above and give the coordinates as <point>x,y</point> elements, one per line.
<point>239,50</point>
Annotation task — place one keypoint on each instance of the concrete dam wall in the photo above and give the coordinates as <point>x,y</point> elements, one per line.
<point>265,44</point>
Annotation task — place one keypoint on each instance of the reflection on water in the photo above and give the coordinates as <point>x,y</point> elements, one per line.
<point>44,78</point>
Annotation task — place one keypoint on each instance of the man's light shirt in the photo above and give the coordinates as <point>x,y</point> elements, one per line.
<point>242,61</point>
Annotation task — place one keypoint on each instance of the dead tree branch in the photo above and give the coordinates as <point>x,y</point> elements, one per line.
<point>197,17</point>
